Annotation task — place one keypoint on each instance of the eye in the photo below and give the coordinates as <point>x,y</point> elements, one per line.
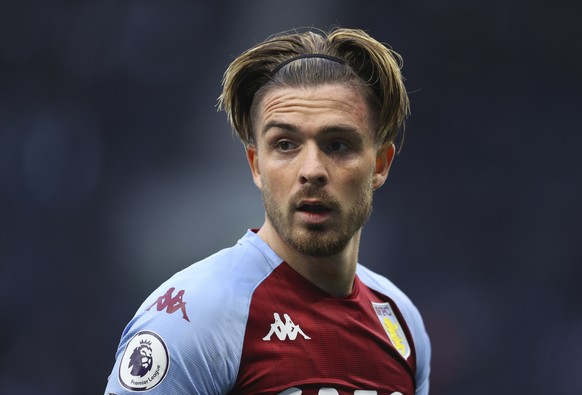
<point>337,146</point>
<point>285,145</point>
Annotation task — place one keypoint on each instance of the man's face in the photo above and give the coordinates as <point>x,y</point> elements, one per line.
<point>317,164</point>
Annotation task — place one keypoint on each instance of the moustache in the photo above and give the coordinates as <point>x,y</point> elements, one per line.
<point>314,193</point>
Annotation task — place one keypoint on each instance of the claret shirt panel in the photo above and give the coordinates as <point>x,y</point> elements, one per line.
<point>298,336</point>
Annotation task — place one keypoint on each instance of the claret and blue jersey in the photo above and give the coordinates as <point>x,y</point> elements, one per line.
<point>242,321</point>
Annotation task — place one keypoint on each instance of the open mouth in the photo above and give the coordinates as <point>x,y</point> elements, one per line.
<point>313,208</point>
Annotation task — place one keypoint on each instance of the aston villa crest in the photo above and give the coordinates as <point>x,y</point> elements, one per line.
<point>392,327</point>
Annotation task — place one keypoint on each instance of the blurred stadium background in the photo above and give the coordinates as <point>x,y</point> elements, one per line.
<point>116,171</point>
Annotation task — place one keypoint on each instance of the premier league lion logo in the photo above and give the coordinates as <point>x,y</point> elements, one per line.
<point>141,360</point>
<point>144,363</point>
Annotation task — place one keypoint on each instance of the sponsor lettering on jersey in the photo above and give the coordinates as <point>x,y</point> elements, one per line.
<point>331,391</point>
<point>284,330</point>
<point>392,327</point>
<point>171,303</point>
<point>144,363</point>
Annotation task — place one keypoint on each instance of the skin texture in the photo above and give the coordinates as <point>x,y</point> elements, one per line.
<point>317,165</point>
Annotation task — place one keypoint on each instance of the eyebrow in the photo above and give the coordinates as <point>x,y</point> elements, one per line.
<point>279,125</point>
<point>341,128</point>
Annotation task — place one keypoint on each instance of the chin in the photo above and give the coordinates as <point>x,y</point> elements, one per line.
<point>316,243</point>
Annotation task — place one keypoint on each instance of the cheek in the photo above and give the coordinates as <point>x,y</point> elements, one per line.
<point>277,178</point>
<point>358,177</point>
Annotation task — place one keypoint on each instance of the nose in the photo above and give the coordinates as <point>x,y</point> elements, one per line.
<point>313,168</point>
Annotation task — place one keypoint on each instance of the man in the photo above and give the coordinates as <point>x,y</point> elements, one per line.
<point>288,310</point>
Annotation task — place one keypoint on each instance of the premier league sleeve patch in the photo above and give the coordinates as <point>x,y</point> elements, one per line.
<point>145,362</point>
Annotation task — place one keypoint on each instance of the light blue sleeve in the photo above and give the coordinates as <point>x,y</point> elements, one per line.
<point>413,320</point>
<point>190,343</point>
<point>195,355</point>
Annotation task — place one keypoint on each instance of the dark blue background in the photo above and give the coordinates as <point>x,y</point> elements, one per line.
<point>116,171</point>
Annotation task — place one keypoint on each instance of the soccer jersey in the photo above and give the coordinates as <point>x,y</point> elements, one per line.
<point>242,321</point>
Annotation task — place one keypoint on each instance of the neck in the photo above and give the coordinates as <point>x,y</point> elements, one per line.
<point>334,274</point>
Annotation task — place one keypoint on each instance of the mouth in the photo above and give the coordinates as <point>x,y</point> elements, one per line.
<point>313,207</point>
<point>314,212</point>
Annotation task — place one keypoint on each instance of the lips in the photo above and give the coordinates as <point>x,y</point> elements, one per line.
<point>313,212</point>
<point>313,207</point>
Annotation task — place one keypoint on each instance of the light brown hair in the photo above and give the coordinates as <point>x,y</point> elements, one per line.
<point>360,61</point>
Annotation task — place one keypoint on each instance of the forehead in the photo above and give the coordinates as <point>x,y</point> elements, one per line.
<point>316,106</point>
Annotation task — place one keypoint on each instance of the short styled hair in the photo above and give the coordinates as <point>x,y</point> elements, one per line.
<point>344,56</point>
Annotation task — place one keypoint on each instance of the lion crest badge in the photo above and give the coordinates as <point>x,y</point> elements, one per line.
<point>144,363</point>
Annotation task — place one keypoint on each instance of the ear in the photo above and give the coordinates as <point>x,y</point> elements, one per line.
<point>253,159</point>
<point>384,156</point>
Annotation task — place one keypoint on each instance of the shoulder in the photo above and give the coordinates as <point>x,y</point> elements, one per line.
<point>381,284</point>
<point>228,276</point>
<point>236,269</point>
<point>199,315</point>
<point>413,319</point>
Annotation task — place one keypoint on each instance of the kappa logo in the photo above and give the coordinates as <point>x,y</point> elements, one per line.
<point>284,330</point>
<point>171,303</point>
<point>392,327</point>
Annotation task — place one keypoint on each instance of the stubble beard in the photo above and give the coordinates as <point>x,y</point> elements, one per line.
<point>318,240</point>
